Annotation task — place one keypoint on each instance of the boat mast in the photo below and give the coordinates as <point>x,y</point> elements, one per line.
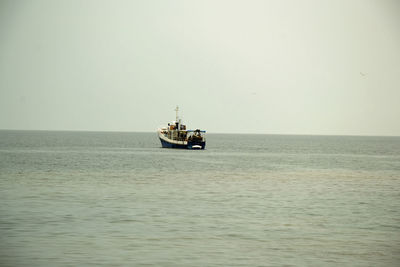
<point>176,110</point>
<point>177,118</point>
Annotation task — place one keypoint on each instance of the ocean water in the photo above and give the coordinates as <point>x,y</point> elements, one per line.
<point>119,199</point>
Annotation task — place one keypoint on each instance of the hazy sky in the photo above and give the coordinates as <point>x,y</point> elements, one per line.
<point>290,67</point>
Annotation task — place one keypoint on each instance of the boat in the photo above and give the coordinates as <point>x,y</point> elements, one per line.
<point>175,135</point>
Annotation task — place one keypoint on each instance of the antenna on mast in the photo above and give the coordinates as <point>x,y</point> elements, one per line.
<point>176,110</point>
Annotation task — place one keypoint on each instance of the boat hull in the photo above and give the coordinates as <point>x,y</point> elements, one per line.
<point>196,145</point>
<point>188,145</point>
<point>167,144</point>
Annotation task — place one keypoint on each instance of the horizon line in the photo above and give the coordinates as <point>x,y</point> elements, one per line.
<point>238,133</point>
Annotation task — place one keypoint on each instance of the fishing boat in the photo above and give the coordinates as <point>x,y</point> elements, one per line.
<point>175,135</point>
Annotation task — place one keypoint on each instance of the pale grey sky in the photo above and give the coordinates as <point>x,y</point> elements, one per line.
<point>290,67</point>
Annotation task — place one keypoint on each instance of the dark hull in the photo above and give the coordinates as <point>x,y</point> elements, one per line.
<point>190,145</point>
<point>195,145</point>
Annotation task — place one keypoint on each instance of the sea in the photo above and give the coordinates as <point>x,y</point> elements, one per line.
<point>119,199</point>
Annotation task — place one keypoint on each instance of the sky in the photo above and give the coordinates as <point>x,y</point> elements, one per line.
<point>272,67</point>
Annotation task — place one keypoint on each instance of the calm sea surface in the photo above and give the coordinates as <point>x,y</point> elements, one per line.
<point>118,199</point>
